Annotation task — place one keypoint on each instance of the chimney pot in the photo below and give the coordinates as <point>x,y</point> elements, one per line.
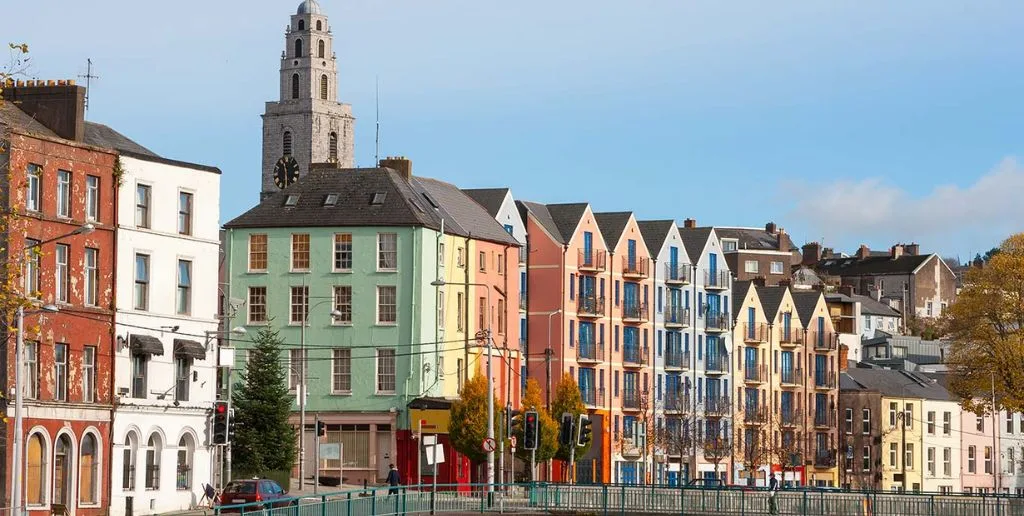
<point>863,252</point>
<point>912,249</point>
<point>896,251</point>
<point>61,108</point>
<point>690,223</point>
<point>771,228</point>
<point>399,164</point>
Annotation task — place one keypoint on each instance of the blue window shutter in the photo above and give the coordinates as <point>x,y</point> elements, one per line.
<point>572,286</point>
<point>572,332</point>
<point>659,343</point>
<point>508,227</point>
<point>616,331</point>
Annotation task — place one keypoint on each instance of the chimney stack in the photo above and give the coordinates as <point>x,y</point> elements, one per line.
<point>846,290</point>
<point>811,252</point>
<point>690,223</point>
<point>826,253</point>
<point>912,249</point>
<point>771,228</point>
<point>61,108</point>
<point>399,164</point>
<point>863,252</point>
<point>844,357</point>
<point>896,251</point>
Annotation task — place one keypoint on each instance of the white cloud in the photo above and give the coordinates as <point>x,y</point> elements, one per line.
<point>948,219</point>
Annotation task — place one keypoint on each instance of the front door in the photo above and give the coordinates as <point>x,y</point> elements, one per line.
<point>384,455</point>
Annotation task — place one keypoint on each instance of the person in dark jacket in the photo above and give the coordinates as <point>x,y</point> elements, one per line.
<point>394,480</point>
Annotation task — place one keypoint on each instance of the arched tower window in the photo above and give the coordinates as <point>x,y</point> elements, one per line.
<point>333,148</point>
<point>298,48</point>
<point>287,143</point>
<point>295,86</point>
<point>318,25</point>
<point>302,24</point>
<point>321,49</point>
<point>323,87</point>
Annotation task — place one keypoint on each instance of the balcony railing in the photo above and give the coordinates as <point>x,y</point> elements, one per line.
<point>677,402</point>
<point>589,351</point>
<point>634,355</point>
<point>824,380</point>
<point>717,321</point>
<point>592,397</point>
<point>631,399</point>
<point>824,418</point>
<point>676,316</point>
<point>677,358</point>
<point>824,341</point>
<point>716,364</point>
<point>636,268</point>
<point>590,306</point>
<point>717,407</point>
<point>754,373</point>
<point>594,261</point>
<point>825,459</point>
<point>717,280</point>
<point>792,377</point>
<point>755,415</point>
<point>153,477</point>
<point>792,417</point>
<point>635,312</point>
<point>183,477</point>
<point>678,275</point>
<point>755,333</point>
<point>794,337</point>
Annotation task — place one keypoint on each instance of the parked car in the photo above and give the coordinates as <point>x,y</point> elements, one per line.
<point>706,483</point>
<point>254,490</point>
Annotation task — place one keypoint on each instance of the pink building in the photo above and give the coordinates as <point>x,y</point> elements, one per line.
<point>978,453</point>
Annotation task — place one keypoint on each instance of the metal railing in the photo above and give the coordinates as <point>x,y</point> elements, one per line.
<point>677,358</point>
<point>634,312</point>
<point>755,373</point>
<point>794,337</point>
<point>592,397</point>
<point>636,268</point>
<point>631,399</point>
<point>590,306</point>
<point>716,364</point>
<point>620,499</point>
<point>677,316</point>
<point>717,321</point>
<point>680,274</point>
<point>792,417</point>
<point>634,355</point>
<point>589,351</point>
<point>717,279</point>
<point>755,333</point>
<point>594,261</point>
<point>677,402</point>
<point>791,377</point>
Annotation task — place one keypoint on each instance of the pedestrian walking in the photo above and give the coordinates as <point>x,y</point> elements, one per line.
<point>393,480</point>
<point>773,488</point>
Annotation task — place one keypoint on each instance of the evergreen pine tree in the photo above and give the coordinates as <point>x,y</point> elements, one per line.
<point>264,439</point>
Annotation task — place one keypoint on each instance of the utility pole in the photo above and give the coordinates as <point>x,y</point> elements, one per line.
<point>995,430</point>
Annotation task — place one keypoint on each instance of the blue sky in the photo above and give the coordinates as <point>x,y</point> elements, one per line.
<point>853,122</point>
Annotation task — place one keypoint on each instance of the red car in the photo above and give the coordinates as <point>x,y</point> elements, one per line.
<point>239,492</point>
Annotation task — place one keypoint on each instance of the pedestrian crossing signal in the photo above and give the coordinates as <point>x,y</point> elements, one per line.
<point>583,431</point>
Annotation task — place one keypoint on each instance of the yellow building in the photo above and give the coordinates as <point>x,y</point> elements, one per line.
<point>901,431</point>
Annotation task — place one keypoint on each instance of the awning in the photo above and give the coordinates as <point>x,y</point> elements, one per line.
<point>145,345</point>
<point>189,348</point>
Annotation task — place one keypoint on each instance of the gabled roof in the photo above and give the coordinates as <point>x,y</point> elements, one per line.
<point>399,203</point>
<point>805,303</point>
<point>868,306</point>
<point>655,232</point>
<point>470,215</point>
<point>543,216</point>
<point>490,198</point>
<point>12,116</point>
<point>752,238</point>
<point>694,240</point>
<point>739,296</point>
<point>771,300</point>
<point>567,218</point>
<point>871,265</point>
<point>612,224</point>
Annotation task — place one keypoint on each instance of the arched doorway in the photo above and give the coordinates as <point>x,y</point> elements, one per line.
<point>63,457</point>
<point>35,471</point>
<point>186,451</point>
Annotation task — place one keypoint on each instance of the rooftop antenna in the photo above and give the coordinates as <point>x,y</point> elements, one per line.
<point>376,156</point>
<point>88,80</point>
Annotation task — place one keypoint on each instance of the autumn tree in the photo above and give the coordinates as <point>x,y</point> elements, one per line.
<point>547,442</point>
<point>568,399</point>
<point>986,325</point>
<point>468,427</point>
<point>713,439</point>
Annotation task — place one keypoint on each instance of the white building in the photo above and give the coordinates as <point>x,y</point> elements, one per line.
<point>941,436</point>
<point>877,316</point>
<point>1011,453</point>
<point>164,366</point>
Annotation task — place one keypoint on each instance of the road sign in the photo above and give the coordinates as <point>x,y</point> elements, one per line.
<point>429,440</point>
<point>489,445</point>
<point>435,454</point>
<point>512,441</point>
<point>330,451</point>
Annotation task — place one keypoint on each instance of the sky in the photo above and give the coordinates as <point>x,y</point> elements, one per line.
<point>845,122</point>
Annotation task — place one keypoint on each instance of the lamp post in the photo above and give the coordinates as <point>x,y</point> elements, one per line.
<point>302,394</point>
<point>19,395</point>
<point>490,382</point>
<point>210,334</point>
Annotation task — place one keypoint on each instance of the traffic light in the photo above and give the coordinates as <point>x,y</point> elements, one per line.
<point>321,429</point>
<point>220,422</point>
<point>513,418</point>
<point>231,425</point>
<point>583,431</point>
<point>3,408</point>
<point>565,430</point>
<point>531,429</point>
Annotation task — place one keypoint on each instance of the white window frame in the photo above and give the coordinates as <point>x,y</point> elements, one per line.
<point>89,374</point>
<point>751,266</point>
<point>249,310</point>
<point>186,214</point>
<point>266,252</point>
<point>292,255</point>
<point>947,461</point>
<point>34,185</point>
<point>92,198</point>
<point>143,206</point>
<point>865,421</point>
<point>338,305</point>
<point>183,292</point>
<point>382,253</point>
<point>61,274</point>
<point>338,253</point>
<point>380,354</point>
<point>91,275</point>
<point>60,371</point>
<point>381,322</point>
<point>140,298</point>
<point>64,194</point>
<point>338,357</point>
<point>777,270</point>
<point>303,313</point>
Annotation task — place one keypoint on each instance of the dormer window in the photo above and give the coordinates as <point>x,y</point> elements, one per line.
<point>331,199</point>
<point>378,198</point>
<point>291,200</point>
<point>729,245</point>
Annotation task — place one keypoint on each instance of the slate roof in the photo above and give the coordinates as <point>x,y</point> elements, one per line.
<point>470,215</point>
<point>900,383</point>
<point>771,299</point>
<point>567,217</point>
<point>847,383</point>
<point>752,238</point>
<point>868,306</point>
<point>694,241</point>
<point>871,265</point>
<point>655,232</point>
<point>805,303</point>
<point>103,136</point>
<point>489,198</point>
<point>543,216</point>
<point>11,115</point>
<point>612,224</point>
<point>739,295</point>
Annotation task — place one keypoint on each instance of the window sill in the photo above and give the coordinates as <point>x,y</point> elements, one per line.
<point>341,393</point>
<point>257,271</point>
<point>342,324</point>
<point>300,271</point>
<point>384,393</point>
<point>386,324</point>
<point>342,271</point>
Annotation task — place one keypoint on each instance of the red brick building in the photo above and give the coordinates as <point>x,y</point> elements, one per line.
<point>55,183</point>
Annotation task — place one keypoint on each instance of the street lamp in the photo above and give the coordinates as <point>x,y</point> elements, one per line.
<point>19,395</point>
<point>302,393</point>
<point>490,382</point>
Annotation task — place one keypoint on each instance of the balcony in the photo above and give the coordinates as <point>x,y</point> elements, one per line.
<point>824,419</point>
<point>592,398</point>
<point>824,341</point>
<point>678,275</point>
<point>753,373</point>
<point>589,351</point>
<point>677,402</point>
<point>794,337</point>
<point>637,268</point>
<point>634,355</point>
<point>755,415</point>
<point>590,306</point>
<point>792,418</point>
<point>717,280</point>
<point>594,261</point>
<point>756,333</point>
<point>631,399</point>
<point>677,359</point>
<point>716,365</point>
<point>825,459</point>
<point>677,316</point>
<point>635,312</point>
<point>717,322</point>
<point>824,380</point>
<point>717,407</point>
<point>792,377</point>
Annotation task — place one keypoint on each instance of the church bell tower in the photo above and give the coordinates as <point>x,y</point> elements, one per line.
<point>306,124</point>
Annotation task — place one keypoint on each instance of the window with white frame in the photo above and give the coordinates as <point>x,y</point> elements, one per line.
<point>92,198</point>
<point>751,266</point>
<point>893,454</point>
<point>60,371</point>
<point>866,459</point>
<point>385,371</point>
<point>63,193</point>
<point>483,261</point>
<point>89,374</point>
<point>931,461</point>
<point>387,251</point>
<point>92,276</point>
<point>341,371</point>
<point>143,200</point>
<point>865,421</point>
<point>295,365</point>
<point>908,415</point>
<point>184,213</point>
<point>777,268</point>
<point>257,305</point>
<point>31,370</point>
<point>1011,461</point>
<point>387,305</point>
<point>300,251</point>
<point>343,252</point>
<point>910,456</point>
<point>343,304</point>
<point>1009,422</point>
<point>988,460</point>
<point>299,304</point>
<point>931,422</point>
<point>33,198</point>
<point>729,245</point>
<point>184,294</point>
<point>947,423</point>
<point>31,275</point>
<point>61,278</point>
<point>140,372</point>
<point>141,281</point>
<point>947,462</point>
<point>972,456</point>
<point>182,372</point>
<point>257,252</point>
